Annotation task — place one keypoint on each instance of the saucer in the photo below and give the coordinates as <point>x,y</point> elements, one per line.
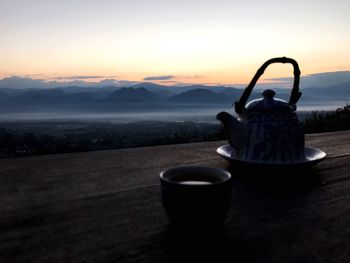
<point>312,156</point>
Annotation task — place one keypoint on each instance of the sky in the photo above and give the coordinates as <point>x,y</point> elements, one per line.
<point>171,42</point>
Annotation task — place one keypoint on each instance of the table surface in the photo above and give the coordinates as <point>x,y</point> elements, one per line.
<point>105,207</point>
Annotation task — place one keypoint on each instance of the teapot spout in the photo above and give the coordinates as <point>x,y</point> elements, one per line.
<point>235,131</point>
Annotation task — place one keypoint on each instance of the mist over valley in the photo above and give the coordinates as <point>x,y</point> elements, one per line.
<point>144,101</point>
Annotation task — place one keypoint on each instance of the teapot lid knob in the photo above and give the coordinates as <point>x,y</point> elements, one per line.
<point>268,94</point>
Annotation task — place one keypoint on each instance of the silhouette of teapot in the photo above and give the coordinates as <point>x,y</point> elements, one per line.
<point>267,130</point>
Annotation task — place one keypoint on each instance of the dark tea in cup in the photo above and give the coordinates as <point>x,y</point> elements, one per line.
<point>196,194</point>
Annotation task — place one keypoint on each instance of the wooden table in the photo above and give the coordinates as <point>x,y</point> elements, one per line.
<point>105,207</point>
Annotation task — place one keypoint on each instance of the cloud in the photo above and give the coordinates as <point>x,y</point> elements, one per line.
<point>192,77</point>
<point>34,75</point>
<point>82,77</point>
<point>165,77</point>
<point>16,82</point>
<point>182,83</point>
<point>175,80</point>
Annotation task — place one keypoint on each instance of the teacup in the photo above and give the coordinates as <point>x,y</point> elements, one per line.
<point>196,195</point>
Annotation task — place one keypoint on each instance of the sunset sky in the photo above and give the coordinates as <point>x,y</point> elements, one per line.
<point>181,41</point>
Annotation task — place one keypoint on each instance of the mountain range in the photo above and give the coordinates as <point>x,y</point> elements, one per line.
<point>146,95</point>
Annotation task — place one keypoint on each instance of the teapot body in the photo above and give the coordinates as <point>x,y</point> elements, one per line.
<point>276,137</point>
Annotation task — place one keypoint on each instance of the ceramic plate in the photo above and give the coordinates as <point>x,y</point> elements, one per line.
<point>312,156</point>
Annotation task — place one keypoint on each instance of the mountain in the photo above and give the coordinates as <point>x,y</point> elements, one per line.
<point>38,96</point>
<point>339,91</point>
<point>232,93</point>
<point>164,91</point>
<point>217,89</point>
<point>148,96</point>
<point>125,95</point>
<point>77,89</point>
<point>198,96</point>
<point>79,97</point>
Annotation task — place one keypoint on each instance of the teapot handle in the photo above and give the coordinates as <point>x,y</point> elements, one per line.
<point>295,95</point>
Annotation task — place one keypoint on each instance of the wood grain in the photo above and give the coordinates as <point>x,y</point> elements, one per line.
<point>105,207</point>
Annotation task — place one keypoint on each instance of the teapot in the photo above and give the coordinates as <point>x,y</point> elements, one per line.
<point>267,130</point>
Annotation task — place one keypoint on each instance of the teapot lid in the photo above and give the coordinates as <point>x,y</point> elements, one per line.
<point>268,103</point>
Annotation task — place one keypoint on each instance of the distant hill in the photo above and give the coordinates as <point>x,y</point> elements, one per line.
<point>336,92</point>
<point>126,95</point>
<point>146,96</point>
<point>233,93</point>
<point>164,91</point>
<point>37,96</point>
<point>199,96</point>
<point>79,97</point>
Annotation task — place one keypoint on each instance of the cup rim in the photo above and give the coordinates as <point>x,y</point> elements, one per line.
<point>223,174</point>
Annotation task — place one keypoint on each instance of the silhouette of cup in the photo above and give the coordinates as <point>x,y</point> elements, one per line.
<point>196,195</point>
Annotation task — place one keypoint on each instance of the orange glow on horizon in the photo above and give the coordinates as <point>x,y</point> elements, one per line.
<point>238,76</point>
<point>221,42</point>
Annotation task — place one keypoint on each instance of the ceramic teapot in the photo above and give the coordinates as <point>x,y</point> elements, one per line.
<point>267,129</point>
